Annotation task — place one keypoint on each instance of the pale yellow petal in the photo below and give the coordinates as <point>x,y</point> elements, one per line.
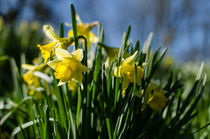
<point>107,63</point>
<point>50,33</point>
<point>93,38</point>
<point>46,50</point>
<point>130,59</point>
<point>78,54</point>
<point>53,63</point>
<point>28,66</point>
<point>78,19</point>
<point>117,71</point>
<point>62,54</point>
<point>83,68</point>
<point>61,83</point>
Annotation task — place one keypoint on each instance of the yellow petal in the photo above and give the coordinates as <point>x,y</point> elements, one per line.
<point>53,63</point>
<point>28,67</point>
<point>78,54</point>
<point>125,83</point>
<point>117,71</point>
<point>46,50</point>
<point>78,19</point>
<point>140,74</point>
<point>157,101</point>
<point>70,33</point>
<point>78,76</point>
<point>62,54</point>
<point>107,65</point>
<point>93,37</point>
<point>130,59</point>
<point>50,33</point>
<point>83,68</point>
<point>72,85</point>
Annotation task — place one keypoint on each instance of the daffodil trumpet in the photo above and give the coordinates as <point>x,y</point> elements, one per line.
<point>154,97</point>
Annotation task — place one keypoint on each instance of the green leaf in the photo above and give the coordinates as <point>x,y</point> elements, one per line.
<point>74,24</point>
<point>147,44</point>
<point>123,44</point>
<point>6,116</point>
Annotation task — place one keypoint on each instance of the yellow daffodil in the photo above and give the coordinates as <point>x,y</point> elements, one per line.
<point>29,76</point>
<point>36,94</point>
<point>168,61</point>
<point>126,71</point>
<point>157,101</point>
<point>72,85</point>
<point>85,30</point>
<point>112,54</point>
<point>56,42</point>
<point>68,66</point>
<point>154,97</point>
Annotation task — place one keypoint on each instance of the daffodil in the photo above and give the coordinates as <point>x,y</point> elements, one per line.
<point>126,70</point>
<point>72,85</point>
<point>55,42</point>
<point>157,101</point>
<point>36,94</point>
<point>68,66</point>
<point>32,80</point>
<point>154,97</point>
<point>85,30</point>
<point>29,76</point>
<point>112,54</point>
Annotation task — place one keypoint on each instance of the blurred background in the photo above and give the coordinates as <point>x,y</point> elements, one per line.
<point>182,25</point>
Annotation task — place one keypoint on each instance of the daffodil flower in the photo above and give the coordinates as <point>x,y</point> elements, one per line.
<point>154,97</point>
<point>32,80</point>
<point>157,101</point>
<point>72,85</point>
<point>36,94</point>
<point>85,30</point>
<point>112,54</point>
<point>55,42</point>
<point>68,66</point>
<point>126,71</point>
<point>29,76</point>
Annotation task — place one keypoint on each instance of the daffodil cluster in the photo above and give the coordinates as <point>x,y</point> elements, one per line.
<point>68,67</point>
<point>126,71</point>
